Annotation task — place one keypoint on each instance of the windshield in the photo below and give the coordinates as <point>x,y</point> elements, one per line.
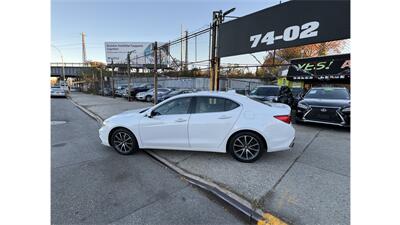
<point>296,91</point>
<point>175,92</point>
<point>328,93</point>
<point>266,91</point>
<point>259,101</point>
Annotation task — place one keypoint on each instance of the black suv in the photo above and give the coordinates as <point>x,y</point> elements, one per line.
<point>328,105</point>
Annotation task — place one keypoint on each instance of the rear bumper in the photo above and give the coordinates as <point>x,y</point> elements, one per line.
<point>58,95</point>
<point>280,139</point>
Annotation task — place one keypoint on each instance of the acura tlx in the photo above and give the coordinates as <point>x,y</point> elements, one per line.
<point>203,121</point>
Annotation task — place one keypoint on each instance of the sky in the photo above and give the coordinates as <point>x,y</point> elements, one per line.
<point>136,20</point>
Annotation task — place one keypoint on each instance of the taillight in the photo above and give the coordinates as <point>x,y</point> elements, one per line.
<point>284,118</point>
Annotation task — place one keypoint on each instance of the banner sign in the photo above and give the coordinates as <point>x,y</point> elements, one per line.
<point>290,24</point>
<point>142,53</point>
<point>333,67</point>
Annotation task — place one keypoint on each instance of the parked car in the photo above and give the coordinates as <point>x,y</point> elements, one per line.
<point>141,88</point>
<point>265,93</point>
<point>107,91</point>
<point>297,93</point>
<point>57,91</point>
<point>209,121</point>
<point>328,105</point>
<point>173,93</point>
<point>147,95</point>
<point>120,90</point>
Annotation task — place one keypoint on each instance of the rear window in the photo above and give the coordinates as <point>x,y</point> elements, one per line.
<point>266,91</point>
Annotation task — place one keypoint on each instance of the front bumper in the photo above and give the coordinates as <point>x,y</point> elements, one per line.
<point>140,97</point>
<point>103,135</point>
<point>336,117</point>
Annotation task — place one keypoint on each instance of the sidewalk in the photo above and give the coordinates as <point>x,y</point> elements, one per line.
<point>307,185</point>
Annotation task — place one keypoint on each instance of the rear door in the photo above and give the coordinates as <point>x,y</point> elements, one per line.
<point>211,120</point>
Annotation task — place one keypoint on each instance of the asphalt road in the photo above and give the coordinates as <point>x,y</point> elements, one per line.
<point>92,184</point>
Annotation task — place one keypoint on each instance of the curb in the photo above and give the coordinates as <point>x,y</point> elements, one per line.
<point>229,197</point>
<point>87,111</point>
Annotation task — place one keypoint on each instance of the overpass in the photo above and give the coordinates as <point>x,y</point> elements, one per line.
<point>70,69</point>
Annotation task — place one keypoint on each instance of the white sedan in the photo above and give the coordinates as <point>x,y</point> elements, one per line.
<point>203,121</point>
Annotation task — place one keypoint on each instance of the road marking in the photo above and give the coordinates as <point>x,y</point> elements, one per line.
<point>270,219</point>
<point>58,122</point>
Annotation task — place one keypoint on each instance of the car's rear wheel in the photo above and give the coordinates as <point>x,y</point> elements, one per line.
<point>124,142</point>
<point>246,146</point>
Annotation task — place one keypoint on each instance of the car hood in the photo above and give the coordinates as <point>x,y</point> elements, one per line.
<point>326,102</point>
<point>129,113</point>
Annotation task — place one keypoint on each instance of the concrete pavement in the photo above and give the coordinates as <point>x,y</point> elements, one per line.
<point>91,184</point>
<point>308,185</point>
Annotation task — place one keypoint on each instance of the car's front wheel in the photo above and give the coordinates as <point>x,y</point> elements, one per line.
<point>148,98</point>
<point>124,142</point>
<point>246,146</point>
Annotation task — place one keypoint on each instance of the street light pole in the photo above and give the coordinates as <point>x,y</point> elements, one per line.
<point>62,63</point>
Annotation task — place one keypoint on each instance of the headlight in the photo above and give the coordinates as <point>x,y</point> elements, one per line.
<point>346,110</point>
<point>302,106</point>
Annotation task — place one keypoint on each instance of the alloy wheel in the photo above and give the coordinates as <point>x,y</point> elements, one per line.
<point>123,142</point>
<point>246,147</point>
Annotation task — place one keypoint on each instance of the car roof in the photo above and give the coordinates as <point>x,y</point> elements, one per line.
<point>329,87</point>
<point>225,94</point>
<point>267,86</point>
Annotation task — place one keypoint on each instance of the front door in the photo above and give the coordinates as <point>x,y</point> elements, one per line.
<point>168,128</point>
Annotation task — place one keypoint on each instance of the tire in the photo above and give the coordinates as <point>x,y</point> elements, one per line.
<point>123,141</point>
<point>148,98</point>
<point>243,146</point>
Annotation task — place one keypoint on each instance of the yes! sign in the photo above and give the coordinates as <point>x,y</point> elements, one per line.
<point>290,24</point>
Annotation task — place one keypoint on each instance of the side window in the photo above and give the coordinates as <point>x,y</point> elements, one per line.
<point>177,106</point>
<point>213,104</point>
<point>230,105</point>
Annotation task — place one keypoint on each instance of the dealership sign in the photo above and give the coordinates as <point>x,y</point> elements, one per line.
<point>142,53</point>
<point>290,24</point>
<point>334,67</point>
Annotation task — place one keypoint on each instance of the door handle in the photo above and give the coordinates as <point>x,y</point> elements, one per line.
<point>224,117</point>
<point>180,120</point>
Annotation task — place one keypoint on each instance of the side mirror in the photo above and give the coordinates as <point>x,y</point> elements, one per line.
<point>150,114</point>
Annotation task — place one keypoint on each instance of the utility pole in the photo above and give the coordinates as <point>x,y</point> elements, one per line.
<point>186,50</point>
<point>214,60</point>
<point>181,48</point>
<point>102,81</point>
<point>83,48</point>
<point>129,75</point>
<point>218,17</point>
<point>112,78</point>
<point>155,73</point>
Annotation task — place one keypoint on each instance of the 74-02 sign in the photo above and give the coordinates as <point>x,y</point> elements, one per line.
<point>290,24</point>
<point>291,33</point>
